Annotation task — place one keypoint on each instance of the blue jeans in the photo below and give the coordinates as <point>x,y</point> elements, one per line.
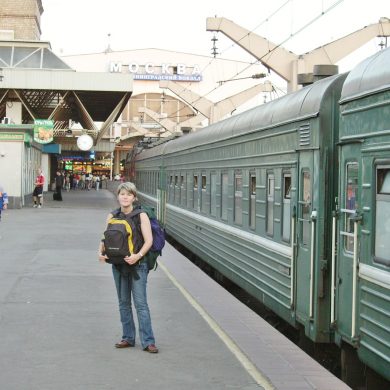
<point>126,285</point>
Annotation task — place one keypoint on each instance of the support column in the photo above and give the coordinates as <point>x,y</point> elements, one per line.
<point>117,162</point>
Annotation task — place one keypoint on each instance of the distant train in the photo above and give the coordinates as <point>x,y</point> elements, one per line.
<point>291,201</point>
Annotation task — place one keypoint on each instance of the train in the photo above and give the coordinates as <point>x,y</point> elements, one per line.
<point>290,200</point>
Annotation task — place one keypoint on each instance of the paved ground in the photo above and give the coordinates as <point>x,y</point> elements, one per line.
<point>59,317</point>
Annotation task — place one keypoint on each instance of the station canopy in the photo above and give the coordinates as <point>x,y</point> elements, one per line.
<point>49,89</point>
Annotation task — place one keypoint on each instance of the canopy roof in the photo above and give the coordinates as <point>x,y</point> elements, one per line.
<point>49,89</point>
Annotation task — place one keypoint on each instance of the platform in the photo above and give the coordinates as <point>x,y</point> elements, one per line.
<point>59,316</point>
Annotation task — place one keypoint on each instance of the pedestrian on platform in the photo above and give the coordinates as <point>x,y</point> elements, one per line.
<point>38,190</point>
<point>88,181</point>
<point>104,181</point>
<point>133,284</point>
<point>59,184</point>
<point>3,200</point>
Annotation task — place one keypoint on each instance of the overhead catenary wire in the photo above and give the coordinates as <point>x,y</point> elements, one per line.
<point>267,19</point>
<point>292,35</point>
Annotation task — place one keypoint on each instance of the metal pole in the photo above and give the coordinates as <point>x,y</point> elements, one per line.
<point>112,161</point>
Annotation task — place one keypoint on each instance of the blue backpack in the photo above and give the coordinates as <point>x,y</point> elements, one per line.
<point>157,232</point>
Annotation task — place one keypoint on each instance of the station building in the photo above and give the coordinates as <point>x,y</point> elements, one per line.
<point>172,93</point>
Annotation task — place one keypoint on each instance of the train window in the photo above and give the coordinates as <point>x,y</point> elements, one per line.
<point>382,216</point>
<point>213,193</point>
<point>182,190</point>
<point>224,196</point>
<point>286,221</point>
<point>305,208</point>
<point>204,194</point>
<point>171,189</point>
<point>196,197</point>
<point>270,203</point>
<point>177,189</point>
<point>189,191</point>
<point>252,202</point>
<point>351,195</point>
<point>238,198</point>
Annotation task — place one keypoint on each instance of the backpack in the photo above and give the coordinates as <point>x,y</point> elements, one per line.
<point>124,236</point>
<point>157,233</point>
<point>118,239</point>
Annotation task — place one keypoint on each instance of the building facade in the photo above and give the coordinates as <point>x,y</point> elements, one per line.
<point>21,19</point>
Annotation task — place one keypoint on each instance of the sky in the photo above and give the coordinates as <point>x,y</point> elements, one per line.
<point>89,26</point>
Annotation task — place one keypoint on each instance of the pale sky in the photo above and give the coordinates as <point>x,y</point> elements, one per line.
<point>82,26</point>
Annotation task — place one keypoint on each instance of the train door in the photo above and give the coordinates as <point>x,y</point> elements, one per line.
<point>345,281</point>
<point>304,237</point>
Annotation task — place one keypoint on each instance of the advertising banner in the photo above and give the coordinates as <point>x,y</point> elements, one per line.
<point>43,131</point>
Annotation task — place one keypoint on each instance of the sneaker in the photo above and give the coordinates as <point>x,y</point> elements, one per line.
<point>151,348</point>
<point>35,205</point>
<point>39,206</point>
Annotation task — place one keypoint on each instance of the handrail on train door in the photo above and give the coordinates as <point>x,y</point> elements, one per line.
<point>356,218</point>
<point>312,247</point>
<point>292,295</point>
<point>333,283</point>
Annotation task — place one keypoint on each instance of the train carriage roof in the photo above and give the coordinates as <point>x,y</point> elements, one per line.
<point>370,76</point>
<point>304,103</point>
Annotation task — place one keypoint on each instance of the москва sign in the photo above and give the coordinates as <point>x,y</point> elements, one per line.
<point>150,71</point>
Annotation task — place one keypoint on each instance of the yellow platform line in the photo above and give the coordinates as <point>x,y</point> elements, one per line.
<point>242,358</point>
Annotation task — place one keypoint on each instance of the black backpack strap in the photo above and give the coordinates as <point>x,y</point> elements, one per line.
<point>136,212</point>
<point>115,213</point>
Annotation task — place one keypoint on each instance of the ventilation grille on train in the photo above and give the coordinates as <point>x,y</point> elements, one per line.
<point>304,135</point>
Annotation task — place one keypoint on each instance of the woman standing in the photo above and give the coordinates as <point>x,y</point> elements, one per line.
<point>133,283</point>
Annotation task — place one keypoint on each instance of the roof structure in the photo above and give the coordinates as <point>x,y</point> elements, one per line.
<point>49,89</point>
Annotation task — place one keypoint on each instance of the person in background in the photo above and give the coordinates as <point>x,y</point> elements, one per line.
<point>63,180</point>
<point>59,184</point>
<point>67,182</point>
<point>127,284</point>
<point>104,181</point>
<point>3,200</point>
<point>97,182</point>
<point>38,190</point>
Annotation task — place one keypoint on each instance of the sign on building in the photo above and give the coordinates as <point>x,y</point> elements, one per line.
<point>43,131</point>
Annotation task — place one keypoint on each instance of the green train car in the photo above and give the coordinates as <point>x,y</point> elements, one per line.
<point>291,201</point>
<point>361,228</point>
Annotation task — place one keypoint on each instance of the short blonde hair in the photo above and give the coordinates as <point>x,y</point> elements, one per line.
<point>129,187</point>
